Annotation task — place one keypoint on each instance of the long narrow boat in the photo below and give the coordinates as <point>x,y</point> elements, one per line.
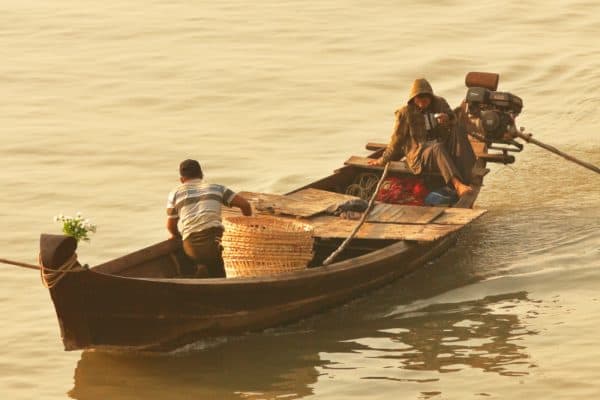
<point>141,302</point>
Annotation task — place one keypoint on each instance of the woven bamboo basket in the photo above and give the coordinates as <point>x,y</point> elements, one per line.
<point>263,245</point>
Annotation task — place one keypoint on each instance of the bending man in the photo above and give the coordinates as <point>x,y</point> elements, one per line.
<point>422,127</point>
<point>198,206</point>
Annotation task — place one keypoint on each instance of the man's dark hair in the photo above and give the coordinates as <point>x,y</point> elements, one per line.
<point>190,169</point>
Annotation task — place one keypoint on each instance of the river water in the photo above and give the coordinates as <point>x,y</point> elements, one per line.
<point>101,100</point>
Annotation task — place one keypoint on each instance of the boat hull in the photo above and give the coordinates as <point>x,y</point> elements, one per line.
<point>104,311</point>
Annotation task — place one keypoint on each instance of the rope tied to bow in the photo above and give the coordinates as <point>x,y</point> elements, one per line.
<point>51,276</point>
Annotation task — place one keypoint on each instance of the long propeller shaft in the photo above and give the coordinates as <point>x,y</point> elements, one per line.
<point>529,139</point>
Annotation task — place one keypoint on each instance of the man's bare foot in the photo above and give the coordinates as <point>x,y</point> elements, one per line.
<point>462,189</point>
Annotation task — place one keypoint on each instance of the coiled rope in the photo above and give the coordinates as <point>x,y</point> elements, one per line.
<point>363,185</point>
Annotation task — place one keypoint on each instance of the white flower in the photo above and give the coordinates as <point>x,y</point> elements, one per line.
<point>77,227</point>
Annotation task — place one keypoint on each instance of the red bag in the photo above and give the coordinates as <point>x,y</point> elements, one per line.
<point>409,191</point>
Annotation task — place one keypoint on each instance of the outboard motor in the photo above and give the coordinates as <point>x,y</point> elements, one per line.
<point>496,110</point>
<point>492,114</point>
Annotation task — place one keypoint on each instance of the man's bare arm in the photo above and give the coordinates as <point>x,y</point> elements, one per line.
<point>392,151</point>
<point>241,203</point>
<point>172,227</point>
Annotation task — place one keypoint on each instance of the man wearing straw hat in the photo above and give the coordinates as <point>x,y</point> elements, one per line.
<point>197,205</point>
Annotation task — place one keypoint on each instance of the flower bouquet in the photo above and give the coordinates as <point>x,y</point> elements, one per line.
<point>77,227</point>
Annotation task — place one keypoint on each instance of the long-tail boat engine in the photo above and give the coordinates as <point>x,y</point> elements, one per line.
<point>490,118</point>
<point>496,111</point>
<point>493,114</point>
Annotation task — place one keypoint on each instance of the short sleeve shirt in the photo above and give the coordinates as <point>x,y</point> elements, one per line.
<point>198,205</point>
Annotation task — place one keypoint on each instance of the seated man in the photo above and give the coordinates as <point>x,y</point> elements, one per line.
<point>423,132</point>
<point>198,205</point>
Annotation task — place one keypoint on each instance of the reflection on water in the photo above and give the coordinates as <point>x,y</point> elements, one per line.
<point>415,345</point>
<point>246,367</point>
<point>480,334</point>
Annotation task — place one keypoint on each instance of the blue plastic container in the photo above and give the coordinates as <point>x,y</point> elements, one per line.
<point>441,197</point>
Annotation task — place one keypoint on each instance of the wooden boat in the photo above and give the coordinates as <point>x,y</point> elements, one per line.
<point>141,302</point>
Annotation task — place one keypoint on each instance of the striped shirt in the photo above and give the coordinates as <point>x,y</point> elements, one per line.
<point>198,205</point>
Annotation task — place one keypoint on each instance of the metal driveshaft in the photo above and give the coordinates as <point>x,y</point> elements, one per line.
<point>529,139</point>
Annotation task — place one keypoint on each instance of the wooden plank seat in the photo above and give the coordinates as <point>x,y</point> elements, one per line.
<point>480,149</point>
<point>403,168</point>
<point>363,163</point>
<point>374,146</point>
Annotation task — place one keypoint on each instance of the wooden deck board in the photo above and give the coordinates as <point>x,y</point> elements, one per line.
<point>387,221</point>
<point>459,216</point>
<point>320,197</point>
<point>279,204</point>
<point>334,227</point>
<point>303,203</point>
<point>401,214</point>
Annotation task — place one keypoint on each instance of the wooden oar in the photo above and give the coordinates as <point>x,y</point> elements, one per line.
<point>529,139</point>
<point>333,255</point>
<point>19,264</point>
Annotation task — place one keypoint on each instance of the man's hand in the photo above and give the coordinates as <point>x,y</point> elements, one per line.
<point>242,204</point>
<point>376,161</point>
<point>442,119</point>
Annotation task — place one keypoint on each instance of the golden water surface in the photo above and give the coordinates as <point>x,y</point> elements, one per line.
<point>101,100</point>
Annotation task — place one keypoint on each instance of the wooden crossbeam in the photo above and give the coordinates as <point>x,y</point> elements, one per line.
<point>374,146</point>
<point>480,149</point>
<point>395,166</point>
